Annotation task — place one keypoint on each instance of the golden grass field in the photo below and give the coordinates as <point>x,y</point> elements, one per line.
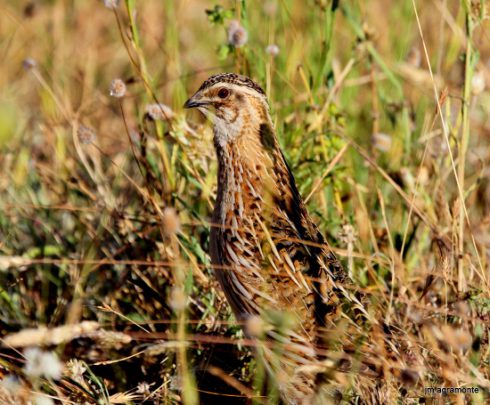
<point>106,292</point>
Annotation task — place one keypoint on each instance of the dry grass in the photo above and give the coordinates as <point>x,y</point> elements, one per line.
<point>105,200</point>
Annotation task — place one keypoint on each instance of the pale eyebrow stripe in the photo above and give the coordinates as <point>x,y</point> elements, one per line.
<point>243,89</point>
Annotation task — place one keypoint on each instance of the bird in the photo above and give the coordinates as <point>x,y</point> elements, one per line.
<point>271,260</point>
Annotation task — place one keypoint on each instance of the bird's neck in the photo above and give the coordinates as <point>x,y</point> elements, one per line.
<point>247,172</point>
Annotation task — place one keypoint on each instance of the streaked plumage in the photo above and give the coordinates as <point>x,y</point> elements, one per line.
<point>269,255</point>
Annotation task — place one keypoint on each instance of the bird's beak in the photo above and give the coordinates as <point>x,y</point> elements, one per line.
<point>195,101</point>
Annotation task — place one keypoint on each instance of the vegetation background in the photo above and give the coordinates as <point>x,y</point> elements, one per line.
<point>106,292</point>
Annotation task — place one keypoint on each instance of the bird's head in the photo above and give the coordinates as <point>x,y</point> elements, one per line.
<point>232,102</point>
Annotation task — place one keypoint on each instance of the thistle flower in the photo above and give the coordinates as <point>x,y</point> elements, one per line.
<point>117,88</point>
<point>40,363</point>
<point>86,135</point>
<point>159,111</point>
<point>112,4</point>
<point>272,50</point>
<point>237,35</point>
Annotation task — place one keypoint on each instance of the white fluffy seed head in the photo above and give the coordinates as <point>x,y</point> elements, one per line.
<point>272,50</point>
<point>159,112</point>
<point>478,83</point>
<point>29,63</point>
<point>237,35</point>
<point>117,88</point>
<point>112,4</point>
<point>86,135</point>
<point>43,400</point>
<point>42,364</point>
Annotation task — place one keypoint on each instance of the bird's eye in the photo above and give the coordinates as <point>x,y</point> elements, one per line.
<point>223,93</point>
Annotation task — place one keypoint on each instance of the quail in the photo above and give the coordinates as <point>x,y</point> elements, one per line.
<point>269,257</point>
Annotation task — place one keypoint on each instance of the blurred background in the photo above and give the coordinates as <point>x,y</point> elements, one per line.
<point>107,185</point>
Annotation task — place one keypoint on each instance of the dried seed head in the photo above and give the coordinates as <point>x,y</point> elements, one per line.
<point>112,4</point>
<point>76,369</point>
<point>117,89</point>
<point>29,63</point>
<point>170,221</point>
<point>237,35</point>
<point>110,339</point>
<point>86,135</point>
<point>41,399</point>
<point>178,299</point>
<point>423,175</point>
<point>414,57</point>
<point>272,50</point>
<point>143,388</point>
<point>255,326</point>
<point>43,336</point>
<point>415,316</point>
<point>382,142</point>
<point>159,111</point>
<point>348,234</point>
<point>40,363</point>
<point>11,384</point>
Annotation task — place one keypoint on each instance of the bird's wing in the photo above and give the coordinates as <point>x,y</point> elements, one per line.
<point>235,290</point>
